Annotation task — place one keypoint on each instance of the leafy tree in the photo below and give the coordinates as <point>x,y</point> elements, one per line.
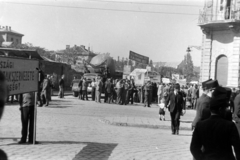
<point>41,51</point>
<point>186,67</point>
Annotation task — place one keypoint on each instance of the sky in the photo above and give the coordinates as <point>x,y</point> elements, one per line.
<point>159,29</point>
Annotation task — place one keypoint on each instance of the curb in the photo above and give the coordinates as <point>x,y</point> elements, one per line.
<point>140,125</point>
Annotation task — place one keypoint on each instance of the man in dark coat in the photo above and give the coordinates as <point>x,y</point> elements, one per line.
<point>236,113</point>
<point>214,137</point>
<point>84,89</point>
<point>108,91</point>
<point>147,93</point>
<point>175,105</point>
<point>61,87</point>
<point>80,88</point>
<point>202,103</point>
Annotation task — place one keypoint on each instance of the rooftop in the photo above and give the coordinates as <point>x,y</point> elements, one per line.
<point>8,29</point>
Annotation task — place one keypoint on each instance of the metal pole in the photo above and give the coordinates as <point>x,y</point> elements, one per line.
<point>35,119</point>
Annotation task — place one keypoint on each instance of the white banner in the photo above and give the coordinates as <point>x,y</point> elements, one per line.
<point>21,74</point>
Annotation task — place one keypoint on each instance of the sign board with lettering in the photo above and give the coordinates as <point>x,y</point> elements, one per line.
<point>138,57</point>
<point>21,74</point>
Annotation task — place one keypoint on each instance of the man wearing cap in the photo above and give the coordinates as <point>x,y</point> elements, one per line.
<point>215,138</point>
<point>175,105</point>
<point>202,103</point>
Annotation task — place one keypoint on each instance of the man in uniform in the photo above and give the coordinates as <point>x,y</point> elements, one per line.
<point>215,138</point>
<point>147,90</point>
<point>202,102</point>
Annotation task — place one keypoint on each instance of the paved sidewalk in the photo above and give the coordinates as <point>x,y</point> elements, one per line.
<point>71,129</point>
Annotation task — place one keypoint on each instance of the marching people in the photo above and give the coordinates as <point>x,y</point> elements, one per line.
<point>175,107</point>
<point>131,91</point>
<point>45,91</point>
<point>147,92</point>
<point>216,138</point>
<point>108,91</point>
<point>26,102</point>
<point>84,89</point>
<point>80,88</point>
<point>61,87</point>
<point>93,84</point>
<point>160,92</point>
<point>99,87</point>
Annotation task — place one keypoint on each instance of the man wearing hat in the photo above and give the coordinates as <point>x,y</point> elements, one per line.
<point>215,138</point>
<point>175,105</point>
<point>202,103</point>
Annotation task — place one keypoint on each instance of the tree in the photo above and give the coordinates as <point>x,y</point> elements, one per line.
<point>41,51</point>
<point>186,67</point>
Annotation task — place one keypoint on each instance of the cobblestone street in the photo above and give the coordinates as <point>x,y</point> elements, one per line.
<point>73,129</point>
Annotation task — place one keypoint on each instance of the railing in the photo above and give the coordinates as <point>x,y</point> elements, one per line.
<point>205,16</point>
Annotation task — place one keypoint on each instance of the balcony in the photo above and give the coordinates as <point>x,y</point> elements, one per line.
<point>224,16</point>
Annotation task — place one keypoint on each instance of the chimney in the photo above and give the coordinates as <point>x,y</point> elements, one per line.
<point>118,58</point>
<point>6,28</point>
<point>9,28</point>
<point>88,48</point>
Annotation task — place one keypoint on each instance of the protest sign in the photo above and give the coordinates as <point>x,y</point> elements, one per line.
<point>21,74</point>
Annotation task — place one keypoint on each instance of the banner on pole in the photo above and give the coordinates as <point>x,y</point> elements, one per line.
<point>138,57</point>
<point>21,74</point>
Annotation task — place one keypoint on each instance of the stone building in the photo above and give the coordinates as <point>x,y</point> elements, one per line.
<point>220,23</point>
<point>9,36</point>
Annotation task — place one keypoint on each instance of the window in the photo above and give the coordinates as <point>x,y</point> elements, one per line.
<point>12,39</point>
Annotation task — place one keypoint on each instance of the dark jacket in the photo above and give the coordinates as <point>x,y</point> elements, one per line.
<point>80,84</point>
<point>236,113</point>
<point>201,112</point>
<point>175,102</point>
<point>84,85</point>
<point>61,83</point>
<point>213,140</point>
<point>108,87</point>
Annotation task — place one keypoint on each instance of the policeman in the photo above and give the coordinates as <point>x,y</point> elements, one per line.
<point>147,90</point>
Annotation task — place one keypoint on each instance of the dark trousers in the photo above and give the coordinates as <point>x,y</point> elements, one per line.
<point>130,97</point>
<point>123,95</point>
<point>147,99</point>
<point>109,97</point>
<point>61,92</point>
<point>84,94</point>
<point>175,121</point>
<point>93,93</point>
<point>106,96</point>
<point>45,98</point>
<point>119,97</point>
<point>27,118</point>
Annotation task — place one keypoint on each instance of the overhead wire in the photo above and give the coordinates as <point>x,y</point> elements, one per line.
<point>158,4</point>
<point>104,9</point>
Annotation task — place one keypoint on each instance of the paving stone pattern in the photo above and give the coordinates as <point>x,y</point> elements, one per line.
<point>71,129</point>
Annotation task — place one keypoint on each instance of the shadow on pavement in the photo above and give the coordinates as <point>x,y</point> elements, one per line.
<point>98,151</point>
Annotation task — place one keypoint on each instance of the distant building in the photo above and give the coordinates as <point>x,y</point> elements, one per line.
<point>81,54</point>
<point>9,36</point>
<point>220,23</point>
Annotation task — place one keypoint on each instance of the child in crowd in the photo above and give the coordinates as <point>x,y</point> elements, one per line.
<point>162,110</point>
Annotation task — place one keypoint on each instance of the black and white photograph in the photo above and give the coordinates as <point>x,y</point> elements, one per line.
<point>119,79</point>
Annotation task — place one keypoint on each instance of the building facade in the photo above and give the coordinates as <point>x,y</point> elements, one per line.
<point>220,23</point>
<point>8,35</point>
